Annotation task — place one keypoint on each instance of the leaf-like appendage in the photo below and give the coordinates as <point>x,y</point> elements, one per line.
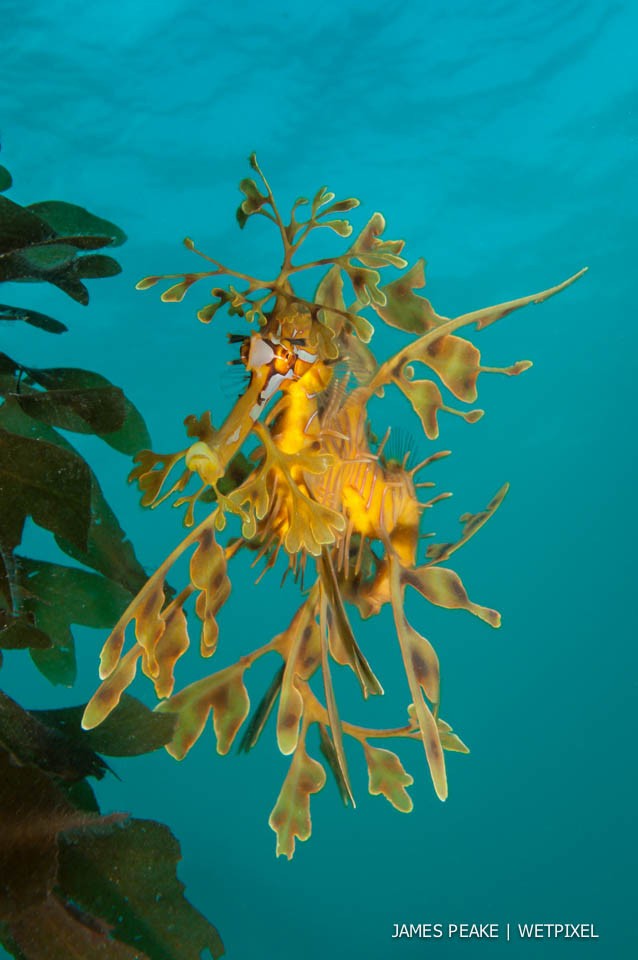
<point>275,497</point>
<point>311,525</point>
<point>331,704</point>
<point>341,206</point>
<point>445,589</point>
<point>178,291</point>
<point>147,282</point>
<point>108,694</point>
<point>387,777</point>
<point>426,400</point>
<point>341,227</point>
<point>373,252</point>
<point>260,716</point>
<point>254,200</point>
<point>456,361</point>
<point>112,649</point>
<point>365,283</point>
<point>289,714</point>
<point>231,706</point>
<point>200,427</point>
<point>149,626</point>
<point>225,694</point>
<point>329,751</point>
<point>152,618</point>
<point>483,318</point>
<point>423,661</point>
<point>329,294</point>
<point>472,523</point>
<point>360,359</point>
<point>422,671</point>
<point>404,308</point>
<point>290,817</point>
<point>206,314</point>
<point>172,644</point>
<point>320,199</point>
<point>152,471</point>
<point>208,574</point>
<point>343,645</point>
<point>300,645</point>
<point>449,740</point>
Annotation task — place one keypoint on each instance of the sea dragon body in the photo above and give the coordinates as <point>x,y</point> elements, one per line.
<point>319,489</point>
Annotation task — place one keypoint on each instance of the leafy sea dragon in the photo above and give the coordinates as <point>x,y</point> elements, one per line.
<point>318,488</point>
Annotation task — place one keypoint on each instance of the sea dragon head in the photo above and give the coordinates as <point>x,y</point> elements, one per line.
<point>279,355</point>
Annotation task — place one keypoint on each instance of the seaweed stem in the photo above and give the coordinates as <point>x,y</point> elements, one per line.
<point>8,560</point>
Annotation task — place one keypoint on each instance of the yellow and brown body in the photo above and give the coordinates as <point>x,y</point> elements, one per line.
<point>294,464</point>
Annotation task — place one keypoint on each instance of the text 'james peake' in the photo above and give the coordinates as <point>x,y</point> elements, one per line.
<point>493,931</point>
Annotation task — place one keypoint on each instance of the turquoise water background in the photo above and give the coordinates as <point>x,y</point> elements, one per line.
<point>500,141</point>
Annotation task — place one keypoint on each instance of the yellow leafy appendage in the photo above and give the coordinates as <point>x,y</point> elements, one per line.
<point>295,472</point>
